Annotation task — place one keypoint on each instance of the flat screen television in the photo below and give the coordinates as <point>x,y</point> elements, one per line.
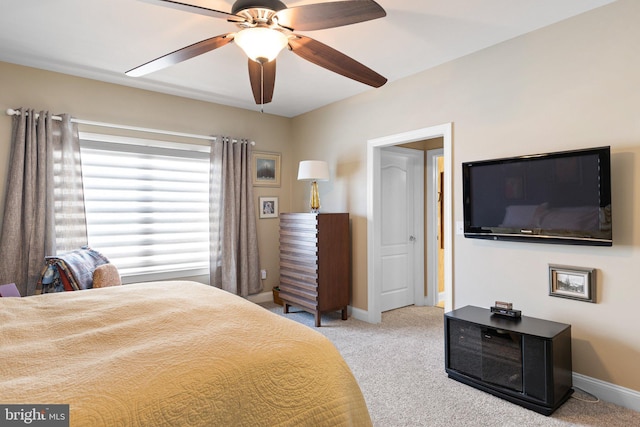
<point>562,197</point>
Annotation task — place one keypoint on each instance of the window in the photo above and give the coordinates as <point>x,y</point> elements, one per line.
<point>147,205</point>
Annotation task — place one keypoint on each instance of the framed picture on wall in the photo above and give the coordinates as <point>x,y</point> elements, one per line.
<point>268,207</point>
<point>577,283</point>
<point>266,169</point>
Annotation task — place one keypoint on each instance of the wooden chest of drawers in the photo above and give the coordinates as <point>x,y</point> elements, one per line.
<point>315,264</point>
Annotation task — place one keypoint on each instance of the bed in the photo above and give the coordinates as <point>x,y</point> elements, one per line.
<point>172,353</point>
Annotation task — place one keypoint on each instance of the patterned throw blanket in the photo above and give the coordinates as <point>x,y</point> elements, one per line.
<point>70,271</point>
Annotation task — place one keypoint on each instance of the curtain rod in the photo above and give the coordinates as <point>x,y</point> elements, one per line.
<point>12,112</point>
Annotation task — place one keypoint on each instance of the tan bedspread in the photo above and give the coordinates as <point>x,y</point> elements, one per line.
<point>171,353</point>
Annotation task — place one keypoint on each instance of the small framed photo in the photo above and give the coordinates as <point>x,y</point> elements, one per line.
<point>268,207</point>
<point>266,169</point>
<point>577,283</point>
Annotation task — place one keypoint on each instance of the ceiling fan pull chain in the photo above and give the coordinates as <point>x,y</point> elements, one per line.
<point>261,87</point>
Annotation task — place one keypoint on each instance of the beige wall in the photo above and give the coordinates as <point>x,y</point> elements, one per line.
<point>571,85</point>
<point>90,100</point>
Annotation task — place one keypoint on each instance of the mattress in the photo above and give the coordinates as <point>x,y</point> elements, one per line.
<point>172,353</point>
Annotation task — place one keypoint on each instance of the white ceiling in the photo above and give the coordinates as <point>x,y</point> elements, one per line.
<point>101,39</point>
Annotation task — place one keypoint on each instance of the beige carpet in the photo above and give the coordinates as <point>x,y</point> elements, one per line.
<point>399,365</point>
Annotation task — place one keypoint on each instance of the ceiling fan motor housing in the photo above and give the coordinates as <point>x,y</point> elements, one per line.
<point>241,5</point>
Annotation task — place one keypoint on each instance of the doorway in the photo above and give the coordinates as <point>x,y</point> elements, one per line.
<point>374,217</point>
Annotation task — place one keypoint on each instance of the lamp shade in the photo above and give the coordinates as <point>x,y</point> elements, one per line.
<point>313,170</point>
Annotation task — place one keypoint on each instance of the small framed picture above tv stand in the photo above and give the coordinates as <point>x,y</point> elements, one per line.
<point>524,360</point>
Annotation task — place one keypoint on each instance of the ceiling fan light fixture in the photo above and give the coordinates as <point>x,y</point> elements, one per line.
<point>261,44</point>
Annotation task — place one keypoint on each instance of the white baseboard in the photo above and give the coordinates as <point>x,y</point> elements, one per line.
<point>608,392</point>
<point>359,314</point>
<point>261,297</point>
<point>356,313</point>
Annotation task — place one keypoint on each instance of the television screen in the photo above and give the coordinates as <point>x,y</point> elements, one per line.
<point>562,197</point>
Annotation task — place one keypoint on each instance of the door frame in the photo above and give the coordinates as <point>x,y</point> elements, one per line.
<point>432,173</point>
<point>445,131</point>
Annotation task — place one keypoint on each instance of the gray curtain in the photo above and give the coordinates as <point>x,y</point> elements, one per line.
<point>234,261</point>
<point>44,203</point>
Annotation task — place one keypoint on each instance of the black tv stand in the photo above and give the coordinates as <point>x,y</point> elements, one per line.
<point>525,360</point>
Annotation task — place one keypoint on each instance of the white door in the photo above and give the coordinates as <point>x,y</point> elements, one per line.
<point>401,232</point>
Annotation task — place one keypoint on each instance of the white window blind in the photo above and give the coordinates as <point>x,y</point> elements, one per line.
<point>147,205</point>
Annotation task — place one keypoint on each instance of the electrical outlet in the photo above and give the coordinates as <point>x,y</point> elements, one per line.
<point>263,274</point>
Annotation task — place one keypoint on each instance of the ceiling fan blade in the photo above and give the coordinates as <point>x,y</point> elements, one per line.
<point>319,16</point>
<point>196,9</point>
<point>263,80</point>
<point>329,58</point>
<point>180,55</point>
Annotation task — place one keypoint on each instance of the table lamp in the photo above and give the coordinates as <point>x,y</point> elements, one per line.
<point>314,171</point>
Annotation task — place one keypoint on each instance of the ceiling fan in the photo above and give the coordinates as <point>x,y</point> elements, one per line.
<point>266,27</point>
